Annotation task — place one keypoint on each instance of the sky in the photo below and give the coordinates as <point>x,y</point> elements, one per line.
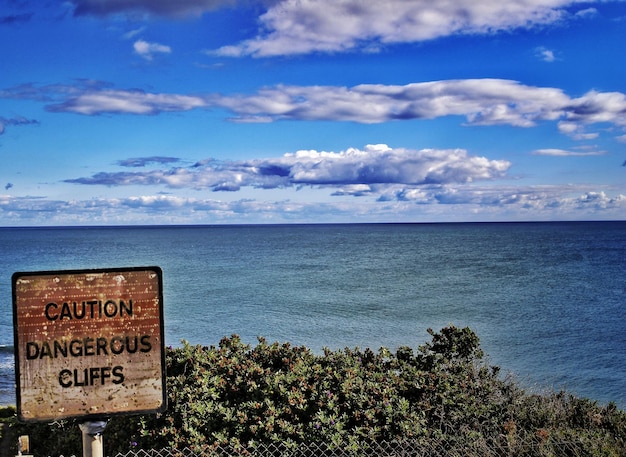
<point>123,112</point>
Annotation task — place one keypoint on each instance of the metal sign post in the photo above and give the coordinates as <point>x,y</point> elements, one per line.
<point>89,344</point>
<point>92,438</point>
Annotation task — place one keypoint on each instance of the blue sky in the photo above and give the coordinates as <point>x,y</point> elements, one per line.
<point>299,111</point>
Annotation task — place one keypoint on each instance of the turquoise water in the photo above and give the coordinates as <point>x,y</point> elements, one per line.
<point>548,300</point>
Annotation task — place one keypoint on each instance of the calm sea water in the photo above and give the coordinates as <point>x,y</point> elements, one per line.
<point>548,300</point>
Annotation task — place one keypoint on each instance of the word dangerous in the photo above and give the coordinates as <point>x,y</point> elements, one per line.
<point>87,347</point>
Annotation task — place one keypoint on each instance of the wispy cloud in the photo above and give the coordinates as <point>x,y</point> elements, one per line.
<point>51,93</point>
<point>133,33</point>
<point>143,161</point>
<point>587,12</point>
<point>4,122</point>
<point>566,153</point>
<point>374,165</point>
<point>148,50</point>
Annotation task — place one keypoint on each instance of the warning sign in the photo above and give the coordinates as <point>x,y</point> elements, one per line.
<point>89,343</point>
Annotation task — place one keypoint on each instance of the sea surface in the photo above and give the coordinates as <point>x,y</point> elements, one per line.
<point>548,300</point>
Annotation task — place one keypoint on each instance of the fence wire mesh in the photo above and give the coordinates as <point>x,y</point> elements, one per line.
<point>382,449</point>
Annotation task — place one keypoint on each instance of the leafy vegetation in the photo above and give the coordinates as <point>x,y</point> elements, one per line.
<point>239,396</point>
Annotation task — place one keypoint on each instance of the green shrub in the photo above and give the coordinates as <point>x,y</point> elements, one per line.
<point>237,395</point>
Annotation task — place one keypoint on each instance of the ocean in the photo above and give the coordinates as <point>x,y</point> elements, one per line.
<point>548,300</point>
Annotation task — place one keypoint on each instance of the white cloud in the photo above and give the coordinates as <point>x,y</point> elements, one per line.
<point>545,54</point>
<point>147,50</point>
<point>380,164</point>
<point>600,200</point>
<point>576,131</point>
<point>304,26</point>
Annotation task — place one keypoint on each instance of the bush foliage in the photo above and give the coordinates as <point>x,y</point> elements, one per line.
<point>237,395</point>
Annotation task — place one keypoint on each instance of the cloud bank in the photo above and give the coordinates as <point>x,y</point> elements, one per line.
<point>417,205</point>
<point>479,101</point>
<point>387,184</point>
<point>373,165</point>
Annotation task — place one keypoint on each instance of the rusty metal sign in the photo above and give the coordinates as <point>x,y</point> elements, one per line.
<point>89,343</point>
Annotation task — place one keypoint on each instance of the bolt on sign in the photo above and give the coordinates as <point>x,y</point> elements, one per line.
<point>89,343</point>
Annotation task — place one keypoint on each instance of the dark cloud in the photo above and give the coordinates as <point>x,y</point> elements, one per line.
<point>138,162</point>
<point>53,92</point>
<point>8,186</point>
<point>167,8</point>
<point>15,18</point>
<point>117,179</point>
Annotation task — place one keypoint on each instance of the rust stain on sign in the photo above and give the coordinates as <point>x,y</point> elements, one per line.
<point>89,343</point>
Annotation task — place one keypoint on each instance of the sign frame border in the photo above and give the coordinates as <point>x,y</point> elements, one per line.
<point>16,348</point>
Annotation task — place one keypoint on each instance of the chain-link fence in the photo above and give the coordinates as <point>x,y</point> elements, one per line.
<point>506,448</point>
